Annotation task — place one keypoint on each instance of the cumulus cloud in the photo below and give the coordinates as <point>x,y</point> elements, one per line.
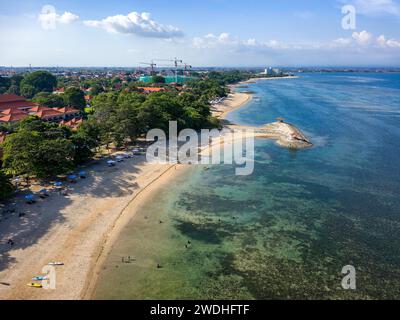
<point>225,39</point>
<point>359,41</point>
<point>391,43</point>
<point>377,7</point>
<point>49,18</point>
<point>136,23</point>
<point>363,38</point>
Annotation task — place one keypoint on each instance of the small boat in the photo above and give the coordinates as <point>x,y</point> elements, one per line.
<point>119,158</point>
<point>34,285</point>
<point>39,278</point>
<point>82,174</point>
<point>55,263</point>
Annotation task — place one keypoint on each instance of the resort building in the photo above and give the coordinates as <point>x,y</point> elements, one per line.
<point>12,101</point>
<point>14,108</point>
<point>148,90</point>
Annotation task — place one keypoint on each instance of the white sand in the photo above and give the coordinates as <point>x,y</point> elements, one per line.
<point>79,229</point>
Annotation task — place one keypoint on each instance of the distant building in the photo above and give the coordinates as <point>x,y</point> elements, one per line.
<point>273,72</point>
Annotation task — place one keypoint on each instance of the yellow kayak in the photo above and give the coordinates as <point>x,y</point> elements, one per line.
<point>34,285</point>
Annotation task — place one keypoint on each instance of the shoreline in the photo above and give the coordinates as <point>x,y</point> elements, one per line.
<point>87,224</point>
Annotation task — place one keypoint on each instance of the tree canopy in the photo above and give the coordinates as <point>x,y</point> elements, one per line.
<point>75,97</point>
<point>38,81</point>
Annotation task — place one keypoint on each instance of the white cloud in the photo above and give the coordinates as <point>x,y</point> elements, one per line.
<point>391,43</point>
<point>366,40</point>
<point>377,7</point>
<point>363,38</point>
<point>49,18</point>
<point>359,42</point>
<point>225,39</point>
<point>135,23</point>
<point>341,42</point>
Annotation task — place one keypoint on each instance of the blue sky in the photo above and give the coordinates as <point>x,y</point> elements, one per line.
<point>203,33</point>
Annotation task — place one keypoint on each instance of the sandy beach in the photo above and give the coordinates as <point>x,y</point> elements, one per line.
<point>79,229</point>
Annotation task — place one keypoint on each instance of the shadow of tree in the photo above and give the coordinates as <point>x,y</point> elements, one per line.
<point>26,224</point>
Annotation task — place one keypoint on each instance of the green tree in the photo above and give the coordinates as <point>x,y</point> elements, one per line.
<point>40,81</point>
<point>14,89</point>
<point>75,97</point>
<point>19,152</point>
<point>27,90</point>
<point>157,79</point>
<point>86,139</point>
<point>6,188</point>
<point>49,100</point>
<point>4,84</point>
<point>53,157</point>
<point>38,149</point>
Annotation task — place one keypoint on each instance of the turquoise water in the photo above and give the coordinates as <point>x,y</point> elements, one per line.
<point>286,231</point>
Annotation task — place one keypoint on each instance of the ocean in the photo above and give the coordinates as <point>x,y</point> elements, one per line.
<point>287,230</point>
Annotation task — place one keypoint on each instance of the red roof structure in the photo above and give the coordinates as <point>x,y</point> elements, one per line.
<point>67,110</point>
<point>13,117</point>
<point>12,101</point>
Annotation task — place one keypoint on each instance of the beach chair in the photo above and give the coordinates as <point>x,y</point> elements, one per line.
<point>111,163</point>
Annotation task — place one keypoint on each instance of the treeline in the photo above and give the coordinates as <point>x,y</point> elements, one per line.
<point>34,148</point>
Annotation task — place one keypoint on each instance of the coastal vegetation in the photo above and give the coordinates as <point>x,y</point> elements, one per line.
<point>116,118</point>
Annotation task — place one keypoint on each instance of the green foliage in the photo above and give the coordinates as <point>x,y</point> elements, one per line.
<point>19,152</point>
<point>4,84</point>
<point>157,79</point>
<point>28,90</point>
<point>38,149</point>
<point>49,100</point>
<point>85,140</point>
<point>38,81</point>
<point>6,188</point>
<point>75,97</point>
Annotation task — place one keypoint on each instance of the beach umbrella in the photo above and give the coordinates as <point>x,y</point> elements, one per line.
<point>30,197</point>
<point>82,174</point>
<point>72,177</point>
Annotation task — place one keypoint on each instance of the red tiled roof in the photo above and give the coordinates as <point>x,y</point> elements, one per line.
<point>67,110</point>
<point>13,117</point>
<point>151,89</point>
<point>10,97</point>
<point>12,111</point>
<point>48,113</point>
<point>8,101</point>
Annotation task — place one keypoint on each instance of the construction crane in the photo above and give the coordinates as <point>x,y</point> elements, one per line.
<point>151,64</point>
<point>176,62</point>
<point>187,68</point>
